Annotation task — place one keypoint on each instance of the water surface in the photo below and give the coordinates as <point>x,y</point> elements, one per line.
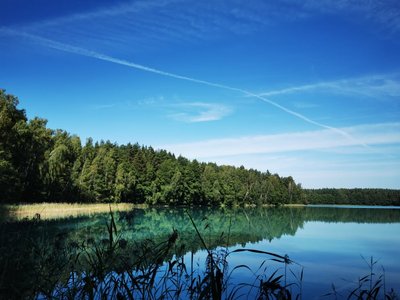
<point>332,244</point>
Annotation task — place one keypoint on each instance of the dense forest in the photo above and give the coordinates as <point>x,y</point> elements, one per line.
<point>39,164</point>
<point>352,196</point>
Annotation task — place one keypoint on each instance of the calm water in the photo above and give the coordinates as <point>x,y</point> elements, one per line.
<point>328,242</point>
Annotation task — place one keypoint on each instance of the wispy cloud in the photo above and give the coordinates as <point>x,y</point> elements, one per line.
<point>304,105</point>
<point>188,112</point>
<point>149,101</point>
<point>376,134</point>
<point>376,86</point>
<point>104,12</point>
<point>153,21</point>
<point>130,104</point>
<point>200,112</point>
<point>149,24</point>
<point>197,13</point>
<point>385,13</point>
<point>185,19</point>
<point>102,106</point>
<point>317,170</point>
<point>88,53</point>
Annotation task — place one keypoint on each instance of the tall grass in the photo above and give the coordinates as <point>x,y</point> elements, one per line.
<point>368,287</point>
<point>47,211</point>
<point>116,268</point>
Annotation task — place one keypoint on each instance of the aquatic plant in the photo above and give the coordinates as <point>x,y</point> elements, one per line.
<point>368,287</point>
<point>114,266</point>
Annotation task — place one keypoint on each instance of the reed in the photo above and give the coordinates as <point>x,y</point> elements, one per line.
<point>48,211</point>
<point>368,287</point>
<point>154,274</point>
<point>114,267</point>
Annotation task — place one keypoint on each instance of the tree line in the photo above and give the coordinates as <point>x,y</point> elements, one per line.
<point>356,196</point>
<point>40,164</point>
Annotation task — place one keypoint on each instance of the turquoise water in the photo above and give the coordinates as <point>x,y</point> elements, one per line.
<point>332,245</point>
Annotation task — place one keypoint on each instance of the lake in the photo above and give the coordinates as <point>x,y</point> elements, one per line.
<point>328,245</point>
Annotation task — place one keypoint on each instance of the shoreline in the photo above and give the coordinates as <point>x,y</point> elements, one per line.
<point>47,210</point>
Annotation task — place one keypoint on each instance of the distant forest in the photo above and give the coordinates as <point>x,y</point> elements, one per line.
<point>39,164</point>
<point>352,196</point>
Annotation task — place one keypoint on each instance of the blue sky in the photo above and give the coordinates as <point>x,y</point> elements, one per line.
<point>306,88</point>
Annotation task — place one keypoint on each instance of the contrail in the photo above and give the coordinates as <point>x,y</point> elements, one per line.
<point>84,52</point>
<point>365,86</point>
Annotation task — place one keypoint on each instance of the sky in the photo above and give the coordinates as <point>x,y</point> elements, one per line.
<point>308,89</point>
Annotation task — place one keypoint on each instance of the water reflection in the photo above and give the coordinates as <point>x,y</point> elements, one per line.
<point>34,252</point>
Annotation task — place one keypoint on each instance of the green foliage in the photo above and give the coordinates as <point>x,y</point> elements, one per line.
<point>23,148</point>
<point>40,164</point>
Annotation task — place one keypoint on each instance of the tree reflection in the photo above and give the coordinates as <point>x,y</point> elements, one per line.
<point>36,254</point>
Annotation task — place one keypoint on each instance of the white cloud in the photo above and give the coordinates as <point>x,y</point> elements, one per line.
<point>326,168</point>
<point>88,53</point>
<point>200,112</point>
<point>375,134</point>
<point>377,86</point>
<point>322,170</point>
<point>320,158</point>
<point>102,106</point>
<point>150,101</point>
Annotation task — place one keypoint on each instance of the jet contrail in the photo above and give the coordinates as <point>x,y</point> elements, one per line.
<point>81,51</point>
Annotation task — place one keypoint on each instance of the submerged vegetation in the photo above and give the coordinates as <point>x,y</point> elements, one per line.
<point>120,259</point>
<point>114,267</point>
<point>40,164</point>
<point>88,263</point>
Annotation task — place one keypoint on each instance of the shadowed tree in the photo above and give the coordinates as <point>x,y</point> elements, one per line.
<point>10,183</point>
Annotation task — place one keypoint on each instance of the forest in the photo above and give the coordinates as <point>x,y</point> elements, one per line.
<point>39,164</point>
<point>354,196</point>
